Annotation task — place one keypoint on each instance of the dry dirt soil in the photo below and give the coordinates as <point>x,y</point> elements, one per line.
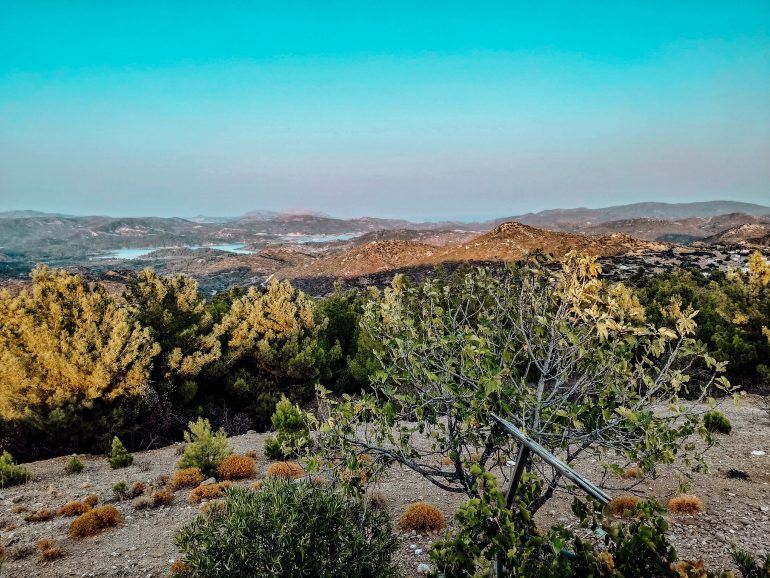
<point>736,511</point>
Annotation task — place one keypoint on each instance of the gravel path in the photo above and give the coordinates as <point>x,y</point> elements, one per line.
<point>143,544</point>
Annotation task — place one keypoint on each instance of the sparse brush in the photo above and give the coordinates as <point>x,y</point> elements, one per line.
<point>91,500</point>
<point>750,566</point>
<point>623,505</point>
<point>49,550</point>
<point>40,516</point>
<point>180,448</point>
<point>19,509</point>
<point>74,509</point>
<point>690,569</point>
<point>734,474</point>
<point>186,478</point>
<point>685,504</point>
<point>252,455</point>
<point>422,517</point>
<point>94,521</point>
<point>208,492</point>
<point>162,498</point>
<point>376,499</point>
<point>237,468</point>
<point>142,502</point>
<point>258,485</point>
<point>120,457</point>
<point>120,489</point>
<point>205,449</point>
<point>136,490</point>
<point>74,466</point>
<point>290,470</point>
<point>11,473</point>
<point>716,422</point>
<point>20,552</point>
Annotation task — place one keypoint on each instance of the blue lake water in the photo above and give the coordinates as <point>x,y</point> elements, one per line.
<point>133,253</point>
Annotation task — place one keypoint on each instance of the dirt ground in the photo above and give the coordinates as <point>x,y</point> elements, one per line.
<point>737,511</point>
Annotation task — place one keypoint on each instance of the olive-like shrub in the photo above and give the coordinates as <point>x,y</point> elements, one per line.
<point>313,531</point>
<point>205,449</point>
<point>10,472</point>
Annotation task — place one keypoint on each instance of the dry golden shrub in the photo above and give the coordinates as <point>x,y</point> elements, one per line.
<point>622,504</point>
<point>422,517</point>
<point>258,484</point>
<point>49,550</point>
<point>179,568</point>
<point>186,478</point>
<point>162,498</point>
<point>685,504</point>
<point>237,468</point>
<point>633,473</point>
<point>252,455</point>
<point>208,492</point>
<point>137,489</point>
<point>94,521</point>
<point>40,516</point>
<point>74,509</point>
<point>690,569</point>
<point>91,500</point>
<point>290,470</point>
<point>19,509</point>
<point>213,506</point>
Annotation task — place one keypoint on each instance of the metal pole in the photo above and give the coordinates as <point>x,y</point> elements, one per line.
<point>521,465</point>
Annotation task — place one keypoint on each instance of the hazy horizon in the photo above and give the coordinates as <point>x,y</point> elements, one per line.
<point>430,112</point>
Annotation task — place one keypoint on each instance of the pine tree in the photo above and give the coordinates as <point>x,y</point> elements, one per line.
<point>120,456</point>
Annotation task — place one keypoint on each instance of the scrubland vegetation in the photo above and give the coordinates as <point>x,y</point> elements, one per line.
<point>408,377</point>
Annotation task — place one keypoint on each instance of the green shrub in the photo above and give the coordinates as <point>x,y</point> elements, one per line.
<point>120,489</point>
<point>292,431</point>
<point>74,466</point>
<point>314,531</point>
<point>716,422</point>
<point>120,457</point>
<point>205,449</point>
<point>749,565</point>
<point>11,473</point>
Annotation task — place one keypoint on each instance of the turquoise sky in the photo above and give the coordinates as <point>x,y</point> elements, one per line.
<point>418,110</point>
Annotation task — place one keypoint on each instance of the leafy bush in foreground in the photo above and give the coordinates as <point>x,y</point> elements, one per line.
<point>10,472</point>
<point>205,449</point>
<point>314,531</point>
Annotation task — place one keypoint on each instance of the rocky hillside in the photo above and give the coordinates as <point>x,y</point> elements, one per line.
<point>507,242</point>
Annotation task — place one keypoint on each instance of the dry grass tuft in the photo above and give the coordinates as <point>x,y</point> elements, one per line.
<point>40,516</point>
<point>180,569</point>
<point>685,504</point>
<point>142,502</point>
<point>290,470</point>
<point>186,478</point>
<point>91,500</point>
<point>258,484</point>
<point>252,455</point>
<point>213,506</point>
<point>208,492</point>
<point>19,509</point>
<point>237,468</point>
<point>633,473</point>
<point>50,550</point>
<point>137,489</point>
<point>422,517</point>
<point>74,509</point>
<point>623,504</point>
<point>162,498</point>
<point>94,521</point>
<point>376,499</point>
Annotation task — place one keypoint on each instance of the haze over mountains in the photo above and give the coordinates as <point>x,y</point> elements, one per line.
<point>259,244</point>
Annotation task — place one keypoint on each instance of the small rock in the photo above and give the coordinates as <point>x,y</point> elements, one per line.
<point>423,568</point>
<point>208,481</point>
<point>757,453</point>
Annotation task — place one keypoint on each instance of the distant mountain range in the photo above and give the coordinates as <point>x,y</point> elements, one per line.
<point>34,235</point>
